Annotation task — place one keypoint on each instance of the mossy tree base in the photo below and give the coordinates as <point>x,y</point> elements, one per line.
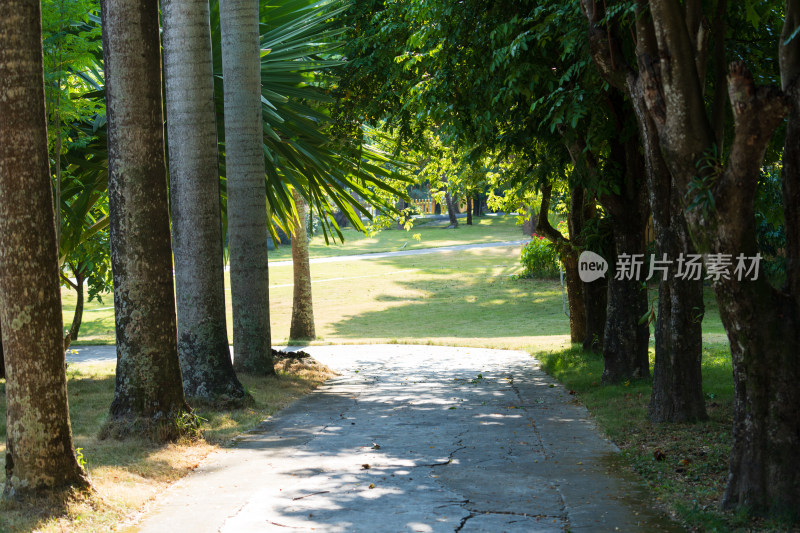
<point>160,427</point>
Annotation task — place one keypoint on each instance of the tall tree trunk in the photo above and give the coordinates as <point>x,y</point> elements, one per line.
<point>469,210</point>
<point>77,317</point>
<point>762,323</point>
<point>302,326</point>
<point>677,386</point>
<point>451,212</point>
<point>205,358</point>
<point>575,296</point>
<point>39,450</point>
<point>247,201</point>
<point>677,393</point>
<point>476,205</point>
<point>148,396</point>
<point>2,358</point>
<point>568,255</point>
<point>625,338</point>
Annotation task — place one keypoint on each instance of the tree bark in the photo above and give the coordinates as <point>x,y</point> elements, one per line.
<point>568,255</point>
<point>677,393</point>
<point>595,301</point>
<point>625,339</point>
<point>77,317</point>
<point>247,201</point>
<point>148,396</point>
<point>2,358</point>
<point>451,212</point>
<point>302,325</point>
<point>762,323</point>
<point>476,206</point>
<point>575,296</point>
<point>469,210</point>
<point>677,389</point>
<point>205,358</point>
<point>40,458</point>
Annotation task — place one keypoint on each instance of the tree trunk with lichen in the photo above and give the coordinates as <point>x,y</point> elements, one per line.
<point>39,456</point>
<point>677,380</point>
<point>205,358</point>
<point>148,396</point>
<point>677,393</point>
<point>763,323</point>
<point>246,187</point>
<point>302,326</point>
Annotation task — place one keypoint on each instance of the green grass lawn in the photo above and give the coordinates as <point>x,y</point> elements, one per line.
<point>431,235</point>
<point>466,298</point>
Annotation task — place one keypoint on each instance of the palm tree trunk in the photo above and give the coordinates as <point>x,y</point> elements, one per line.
<point>247,203</point>
<point>2,359</point>
<point>205,358</point>
<point>148,397</point>
<point>302,306</point>
<point>40,457</point>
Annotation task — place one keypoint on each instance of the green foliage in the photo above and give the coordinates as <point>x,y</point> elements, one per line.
<point>299,42</point>
<point>539,259</point>
<point>700,192</point>
<point>80,458</point>
<point>771,226</point>
<point>71,41</point>
<point>190,425</point>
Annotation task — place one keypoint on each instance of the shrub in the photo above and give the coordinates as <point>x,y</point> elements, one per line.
<point>539,259</point>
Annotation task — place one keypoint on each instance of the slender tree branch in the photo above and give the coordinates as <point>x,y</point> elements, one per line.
<point>543,225</point>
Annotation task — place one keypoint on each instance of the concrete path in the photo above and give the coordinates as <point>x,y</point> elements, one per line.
<point>420,251</point>
<point>415,438</point>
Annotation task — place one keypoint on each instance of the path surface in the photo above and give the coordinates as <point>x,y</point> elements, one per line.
<point>414,438</point>
<point>419,251</point>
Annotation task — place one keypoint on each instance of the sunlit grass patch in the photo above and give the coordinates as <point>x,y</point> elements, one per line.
<point>432,234</point>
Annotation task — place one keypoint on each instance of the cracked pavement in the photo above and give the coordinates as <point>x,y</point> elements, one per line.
<point>415,438</point>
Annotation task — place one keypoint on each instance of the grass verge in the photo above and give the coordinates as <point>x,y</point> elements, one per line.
<point>126,475</point>
<point>684,465</point>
